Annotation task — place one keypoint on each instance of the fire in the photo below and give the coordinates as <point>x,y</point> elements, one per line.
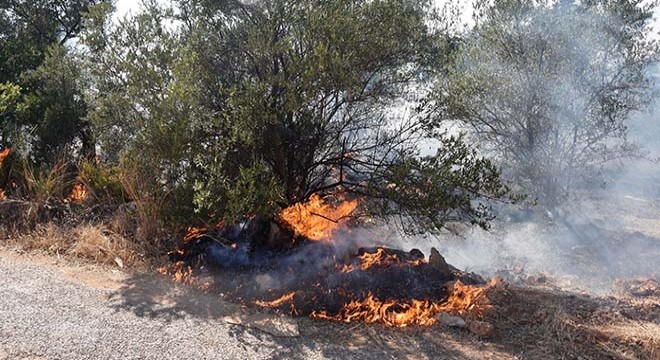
<point>468,300</point>
<point>390,313</point>
<point>316,219</point>
<point>179,272</point>
<point>193,233</point>
<point>464,300</point>
<point>277,302</point>
<point>3,155</point>
<point>78,194</point>
<point>380,258</point>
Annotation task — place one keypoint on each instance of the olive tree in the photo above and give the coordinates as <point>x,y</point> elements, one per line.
<point>547,89</point>
<point>270,102</point>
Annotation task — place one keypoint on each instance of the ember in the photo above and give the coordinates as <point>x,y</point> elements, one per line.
<point>317,219</point>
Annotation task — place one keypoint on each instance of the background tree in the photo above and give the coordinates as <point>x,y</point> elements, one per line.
<point>547,89</point>
<point>145,104</point>
<point>48,113</point>
<point>246,109</point>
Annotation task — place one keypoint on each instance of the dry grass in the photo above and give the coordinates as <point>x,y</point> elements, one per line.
<point>646,334</point>
<point>564,325</point>
<point>87,241</point>
<point>97,243</point>
<point>48,237</point>
<point>44,184</point>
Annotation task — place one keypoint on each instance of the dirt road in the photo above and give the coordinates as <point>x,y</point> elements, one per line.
<point>52,309</point>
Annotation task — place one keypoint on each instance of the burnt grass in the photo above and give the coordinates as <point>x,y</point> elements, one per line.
<point>313,270</point>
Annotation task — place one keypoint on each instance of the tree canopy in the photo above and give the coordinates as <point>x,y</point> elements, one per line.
<point>228,110</point>
<point>249,108</point>
<point>42,110</point>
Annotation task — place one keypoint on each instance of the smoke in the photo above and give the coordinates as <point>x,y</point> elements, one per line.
<point>609,228</point>
<point>279,269</point>
<point>606,232</point>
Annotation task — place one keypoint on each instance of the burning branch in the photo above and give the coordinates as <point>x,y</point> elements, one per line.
<point>316,219</point>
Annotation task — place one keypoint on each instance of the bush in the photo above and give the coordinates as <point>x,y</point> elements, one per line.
<point>103,182</point>
<point>43,183</point>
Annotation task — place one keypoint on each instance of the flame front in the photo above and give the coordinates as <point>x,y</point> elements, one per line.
<point>316,219</point>
<point>390,313</point>
<point>464,300</point>
<point>469,300</point>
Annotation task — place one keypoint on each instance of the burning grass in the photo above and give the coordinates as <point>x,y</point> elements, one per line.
<point>469,301</point>
<point>3,155</point>
<point>380,258</point>
<point>327,280</point>
<point>369,285</point>
<point>390,313</point>
<point>78,194</point>
<point>179,271</point>
<point>286,298</point>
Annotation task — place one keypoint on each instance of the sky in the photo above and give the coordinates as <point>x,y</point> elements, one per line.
<point>126,6</point>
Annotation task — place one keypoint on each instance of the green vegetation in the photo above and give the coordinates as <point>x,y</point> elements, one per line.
<point>208,111</point>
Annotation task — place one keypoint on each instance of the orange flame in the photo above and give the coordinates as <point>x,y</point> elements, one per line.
<point>193,233</point>
<point>390,313</point>
<point>3,155</point>
<point>179,272</point>
<point>316,219</point>
<point>380,258</point>
<point>464,300</point>
<point>78,194</point>
<point>468,299</point>
<point>277,302</point>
